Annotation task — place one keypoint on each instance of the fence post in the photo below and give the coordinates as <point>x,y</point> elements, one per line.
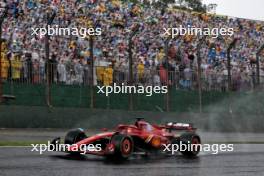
<point>47,52</point>
<point>91,50</point>
<point>2,17</point>
<point>231,45</point>
<point>199,73</point>
<point>258,64</point>
<point>91,42</point>
<point>130,55</point>
<point>167,41</point>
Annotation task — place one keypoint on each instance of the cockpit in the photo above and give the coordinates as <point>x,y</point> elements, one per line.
<point>144,125</point>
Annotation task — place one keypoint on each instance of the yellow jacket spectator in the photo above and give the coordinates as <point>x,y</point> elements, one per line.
<point>205,17</point>
<point>101,8</point>
<point>116,3</point>
<point>89,23</point>
<point>258,27</point>
<point>136,10</point>
<point>108,76</point>
<point>62,10</point>
<point>16,66</point>
<point>4,47</point>
<point>161,55</point>
<point>188,38</point>
<point>100,73</point>
<point>5,68</point>
<point>140,70</point>
<point>72,45</point>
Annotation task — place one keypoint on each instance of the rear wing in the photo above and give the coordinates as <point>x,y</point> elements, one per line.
<point>179,126</point>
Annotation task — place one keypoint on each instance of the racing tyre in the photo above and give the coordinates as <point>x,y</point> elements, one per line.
<point>191,138</point>
<point>124,146</point>
<point>74,136</point>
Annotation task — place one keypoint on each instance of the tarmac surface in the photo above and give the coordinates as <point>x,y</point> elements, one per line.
<point>20,161</point>
<point>245,160</point>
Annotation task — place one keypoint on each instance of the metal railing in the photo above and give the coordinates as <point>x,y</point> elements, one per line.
<point>78,74</point>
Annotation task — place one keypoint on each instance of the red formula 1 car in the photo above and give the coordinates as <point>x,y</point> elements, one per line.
<point>141,137</point>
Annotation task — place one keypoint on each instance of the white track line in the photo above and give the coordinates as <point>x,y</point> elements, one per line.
<point>15,146</point>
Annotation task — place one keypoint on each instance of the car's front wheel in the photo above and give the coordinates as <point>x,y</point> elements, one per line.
<point>123,146</point>
<point>74,136</point>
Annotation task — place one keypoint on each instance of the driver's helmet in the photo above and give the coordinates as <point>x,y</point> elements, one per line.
<point>148,127</point>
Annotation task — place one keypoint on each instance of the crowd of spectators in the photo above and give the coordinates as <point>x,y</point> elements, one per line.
<point>23,56</point>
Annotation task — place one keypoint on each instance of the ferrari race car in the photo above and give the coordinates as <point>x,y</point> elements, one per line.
<point>139,138</point>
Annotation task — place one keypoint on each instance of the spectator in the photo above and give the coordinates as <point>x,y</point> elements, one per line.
<point>117,18</point>
<point>62,72</point>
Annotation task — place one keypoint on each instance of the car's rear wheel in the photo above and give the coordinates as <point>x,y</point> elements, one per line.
<point>124,146</point>
<point>193,143</point>
<point>74,136</point>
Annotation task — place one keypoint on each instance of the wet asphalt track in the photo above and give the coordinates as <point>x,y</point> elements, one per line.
<point>246,160</point>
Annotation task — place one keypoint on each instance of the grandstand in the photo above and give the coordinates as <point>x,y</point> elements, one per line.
<point>71,61</point>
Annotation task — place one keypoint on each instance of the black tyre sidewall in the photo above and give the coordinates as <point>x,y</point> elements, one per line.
<point>118,140</point>
<point>187,138</point>
<point>74,136</point>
